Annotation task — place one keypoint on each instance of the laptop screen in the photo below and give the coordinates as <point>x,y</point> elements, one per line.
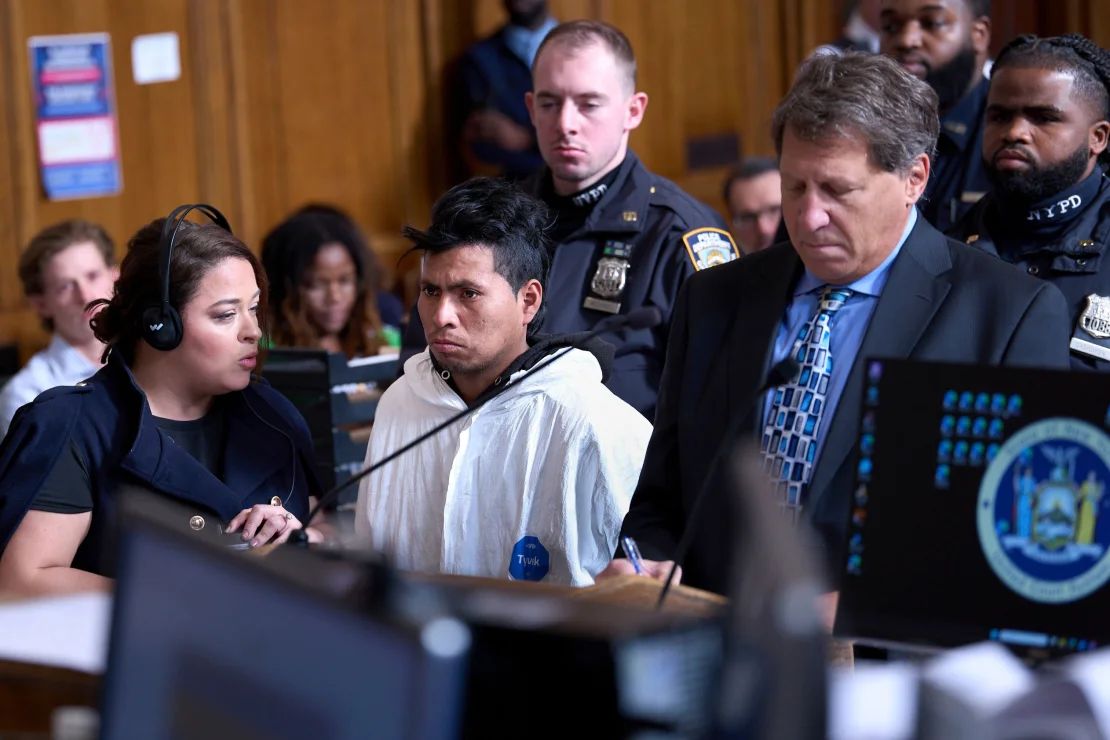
<point>981,509</point>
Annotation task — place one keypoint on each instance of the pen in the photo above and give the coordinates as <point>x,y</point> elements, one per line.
<point>633,553</point>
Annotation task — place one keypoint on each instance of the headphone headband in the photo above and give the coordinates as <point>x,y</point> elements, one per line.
<point>161,326</point>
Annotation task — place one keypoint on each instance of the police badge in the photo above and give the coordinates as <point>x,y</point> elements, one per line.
<point>610,277</point>
<point>1092,331</point>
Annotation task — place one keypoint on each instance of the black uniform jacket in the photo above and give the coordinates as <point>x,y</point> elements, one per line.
<point>959,178</point>
<point>1075,260</point>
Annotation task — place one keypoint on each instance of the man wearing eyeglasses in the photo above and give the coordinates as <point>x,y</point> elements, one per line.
<point>753,196</point>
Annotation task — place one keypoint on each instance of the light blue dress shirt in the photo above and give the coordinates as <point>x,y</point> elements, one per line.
<point>58,364</point>
<point>525,42</point>
<point>846,327</point>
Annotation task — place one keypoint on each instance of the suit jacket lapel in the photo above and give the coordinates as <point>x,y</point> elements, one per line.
<point>914,291</point>
<point>252,454</point>
<point>255,450</point>
<point>754,329</point>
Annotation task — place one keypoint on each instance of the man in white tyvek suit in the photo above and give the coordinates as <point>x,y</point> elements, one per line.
<point>535,483</point>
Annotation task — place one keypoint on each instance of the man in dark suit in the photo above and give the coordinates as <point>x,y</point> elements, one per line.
<point>864,275</point>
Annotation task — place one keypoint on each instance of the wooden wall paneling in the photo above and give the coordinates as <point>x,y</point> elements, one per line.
<point>18,323</point>
<point>417,109</point>
<point>11,152</point>
<point>1096,21</point>
<point>657,31</point>
<point>761,75</point>
<point>159,129</point>
<point>260,127</point>
<point>157,141</point>
<point>218,115</point>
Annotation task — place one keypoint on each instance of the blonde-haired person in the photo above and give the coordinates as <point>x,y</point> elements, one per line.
<point>64,268</point>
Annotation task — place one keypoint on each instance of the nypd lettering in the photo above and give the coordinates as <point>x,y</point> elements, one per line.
<point>1043,516</point>
<point>590,196</point>
<point>708,247</point>
<point>1055,210</point>
<point>1092,330</point>
<point>610,277</point>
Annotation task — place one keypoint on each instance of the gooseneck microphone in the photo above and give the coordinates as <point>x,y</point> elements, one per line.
<point>645,317</point>
<point>781,372</point>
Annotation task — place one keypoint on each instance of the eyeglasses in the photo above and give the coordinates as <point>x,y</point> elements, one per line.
<point>750,218</point>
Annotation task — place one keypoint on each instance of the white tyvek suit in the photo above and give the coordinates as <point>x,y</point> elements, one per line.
<point>555,458</point>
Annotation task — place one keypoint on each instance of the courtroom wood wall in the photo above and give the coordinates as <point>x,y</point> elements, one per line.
<point>282,102</point>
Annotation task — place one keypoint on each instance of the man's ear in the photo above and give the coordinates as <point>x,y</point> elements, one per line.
<point>38,303</point>
<point>530,104</point>
<point>1097,137</point>
<point>531,297</point>
<point>917,177</point>
<point>981,35</point>
<point>634,114</point>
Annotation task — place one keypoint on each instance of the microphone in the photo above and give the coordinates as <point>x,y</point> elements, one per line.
<point>644,317</point>
<point>781,372</point>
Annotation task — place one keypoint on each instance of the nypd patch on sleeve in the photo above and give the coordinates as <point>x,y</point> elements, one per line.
<point>709,246</point>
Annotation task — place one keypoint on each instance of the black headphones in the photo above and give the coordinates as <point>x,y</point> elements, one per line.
<point>161,323</point>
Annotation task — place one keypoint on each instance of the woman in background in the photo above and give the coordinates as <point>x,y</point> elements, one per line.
<point>325,286</point>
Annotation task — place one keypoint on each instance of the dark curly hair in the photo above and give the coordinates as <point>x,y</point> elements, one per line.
<point>199,249</point>
<point>1073,54</point>
<point>288,253</point>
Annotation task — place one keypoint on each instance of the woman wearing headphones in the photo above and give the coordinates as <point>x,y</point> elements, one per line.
<point>175,410</point>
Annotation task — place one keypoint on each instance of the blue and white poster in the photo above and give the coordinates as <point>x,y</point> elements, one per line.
<point>75,116</point>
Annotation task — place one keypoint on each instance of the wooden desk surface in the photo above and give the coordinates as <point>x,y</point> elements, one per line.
<point>29,694</point>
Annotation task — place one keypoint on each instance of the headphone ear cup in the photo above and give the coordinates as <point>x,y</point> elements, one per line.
<point>161,327</point>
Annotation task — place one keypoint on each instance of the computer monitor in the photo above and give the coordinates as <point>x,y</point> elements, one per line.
<point>981,509</point>
<point>208,642</point>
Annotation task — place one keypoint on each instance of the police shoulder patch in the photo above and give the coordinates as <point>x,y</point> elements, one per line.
<point>709,246</point>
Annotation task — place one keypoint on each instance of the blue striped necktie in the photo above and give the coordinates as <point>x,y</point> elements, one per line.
<point>789,443</point>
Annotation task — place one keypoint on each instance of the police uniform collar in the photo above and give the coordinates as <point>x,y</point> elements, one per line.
<point>961,123</point>
<point>623,208</point>
<point>1085,237</point>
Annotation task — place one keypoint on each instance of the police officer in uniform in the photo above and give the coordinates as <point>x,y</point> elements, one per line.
<point>1045,149</point>
<point>622,237</point>
<point>945,43</point>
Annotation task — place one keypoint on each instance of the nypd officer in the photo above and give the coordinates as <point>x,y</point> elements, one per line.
<point>945,43</point>
<point>1045,150</point>
<point>622,237</point>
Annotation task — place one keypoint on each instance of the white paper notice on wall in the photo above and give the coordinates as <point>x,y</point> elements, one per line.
<point>155,57</point>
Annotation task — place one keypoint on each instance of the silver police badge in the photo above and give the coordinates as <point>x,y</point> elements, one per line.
<point>1092,330</point>
<point>609,279</point>
<point>1095,318</point>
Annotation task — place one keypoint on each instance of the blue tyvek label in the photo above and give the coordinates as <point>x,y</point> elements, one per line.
<point>529,560</point>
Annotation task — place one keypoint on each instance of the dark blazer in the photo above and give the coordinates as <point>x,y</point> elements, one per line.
<point>268,453</point>
<point>942,301</point>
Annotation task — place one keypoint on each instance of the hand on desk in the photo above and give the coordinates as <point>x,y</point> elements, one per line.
<point>657,569</point>
<point>264,524</point>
